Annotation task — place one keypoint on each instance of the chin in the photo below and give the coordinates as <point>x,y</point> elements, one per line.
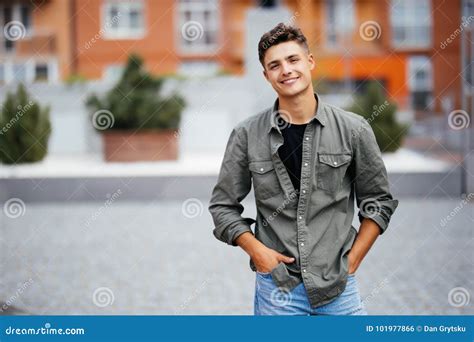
<point>290,92</point>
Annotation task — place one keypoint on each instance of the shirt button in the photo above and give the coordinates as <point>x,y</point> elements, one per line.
<point>304,270</point>
<point>305,164</point>
<point>302,244</point>
<point>304,191</point>
<point>261,169</point>
<point>335,163</point>
<point>307,138</point>
<point>300,217</point>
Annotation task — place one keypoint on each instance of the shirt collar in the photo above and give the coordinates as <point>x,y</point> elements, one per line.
<point>319,114</point>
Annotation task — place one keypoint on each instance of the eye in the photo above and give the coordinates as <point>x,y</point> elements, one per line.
<point>273,67</point>
<point>293,60</point>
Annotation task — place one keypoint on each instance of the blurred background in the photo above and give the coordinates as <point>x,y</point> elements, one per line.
<point>114,119</point>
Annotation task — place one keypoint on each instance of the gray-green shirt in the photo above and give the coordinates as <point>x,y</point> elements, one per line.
<point>340,161</point>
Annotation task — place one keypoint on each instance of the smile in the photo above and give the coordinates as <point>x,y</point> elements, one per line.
<point>290,80</point>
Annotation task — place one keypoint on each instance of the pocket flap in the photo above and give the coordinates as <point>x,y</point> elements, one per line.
<point>261,167</point>
<point>334,160</point>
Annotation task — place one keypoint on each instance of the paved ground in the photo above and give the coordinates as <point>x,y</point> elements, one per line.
<point>156,258</point>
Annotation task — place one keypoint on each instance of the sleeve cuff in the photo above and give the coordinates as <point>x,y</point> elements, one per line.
<point>235,230</point>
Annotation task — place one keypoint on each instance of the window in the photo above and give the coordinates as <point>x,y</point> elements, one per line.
<point>411,23</point>
<point>25,16</point>
<point>468,57</point>
<point>2,73</point>
<point>18,13</point>
<point>268,3</point>
<point>339,21</point>
<point>123,19</point>
<point>420,81</point>
<point>198,26</point>
<point>20,72</point>
<point>41,72</point>
<point>28,71</point>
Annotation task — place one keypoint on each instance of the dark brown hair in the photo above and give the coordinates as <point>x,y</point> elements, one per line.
<point>280,34</point>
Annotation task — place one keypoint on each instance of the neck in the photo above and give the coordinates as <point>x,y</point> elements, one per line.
<point>301,107</point>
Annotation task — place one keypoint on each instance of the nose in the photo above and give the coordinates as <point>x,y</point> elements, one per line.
<point>286,69</point>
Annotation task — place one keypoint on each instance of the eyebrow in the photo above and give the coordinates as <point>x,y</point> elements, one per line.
<point>276,61</point>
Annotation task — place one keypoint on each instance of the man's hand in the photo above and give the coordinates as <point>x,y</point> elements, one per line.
<point>368,233</point>
<point>264,258</point>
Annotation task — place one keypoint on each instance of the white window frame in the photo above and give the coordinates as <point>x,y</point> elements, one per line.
<point>344,21</point>
<point>126,32</point>
<point>198,46</point>
<point>414,64</point>
<point>30,65</point>
<point>411,23</point>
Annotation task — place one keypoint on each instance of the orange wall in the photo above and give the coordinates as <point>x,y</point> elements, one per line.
<point>55,17</point>
<point>157,46</point>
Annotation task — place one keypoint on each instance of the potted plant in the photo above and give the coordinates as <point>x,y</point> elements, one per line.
<point>136,122</point>
<point>25,128</point>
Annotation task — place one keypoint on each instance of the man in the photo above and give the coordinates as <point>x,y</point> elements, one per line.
<point>307,160</point>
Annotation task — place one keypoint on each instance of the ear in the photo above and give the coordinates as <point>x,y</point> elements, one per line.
<point>311,61</point>
<point>265,74</point>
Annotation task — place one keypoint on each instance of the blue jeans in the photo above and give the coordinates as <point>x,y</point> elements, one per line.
<point>271,300</point>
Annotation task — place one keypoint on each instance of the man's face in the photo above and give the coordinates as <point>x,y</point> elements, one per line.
<point>287,66</point>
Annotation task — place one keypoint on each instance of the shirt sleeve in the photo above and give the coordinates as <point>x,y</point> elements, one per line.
<point>233,185</point>
<point>373,196</point>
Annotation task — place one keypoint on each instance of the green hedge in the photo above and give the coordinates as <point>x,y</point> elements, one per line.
<point>25,128</point>
<point>381,115</point>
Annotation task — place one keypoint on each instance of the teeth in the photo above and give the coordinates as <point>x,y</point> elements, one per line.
<point>290,80</point>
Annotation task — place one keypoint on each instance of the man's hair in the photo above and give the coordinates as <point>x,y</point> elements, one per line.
<point>280,34</point>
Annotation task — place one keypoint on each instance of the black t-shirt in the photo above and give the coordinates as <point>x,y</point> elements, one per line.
<point>291,151</point>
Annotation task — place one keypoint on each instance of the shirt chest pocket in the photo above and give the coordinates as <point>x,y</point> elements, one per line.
<point>331,170</point>
<point>265,181</point>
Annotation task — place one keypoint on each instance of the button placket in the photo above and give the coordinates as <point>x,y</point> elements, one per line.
<point>305,175</point>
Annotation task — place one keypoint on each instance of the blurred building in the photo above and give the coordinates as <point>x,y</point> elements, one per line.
<point>403,43</point>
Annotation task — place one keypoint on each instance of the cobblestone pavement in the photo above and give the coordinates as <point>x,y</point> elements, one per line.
<point>161,258</point>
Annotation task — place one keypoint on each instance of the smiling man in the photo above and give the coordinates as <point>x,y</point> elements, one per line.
<point>308,161</point>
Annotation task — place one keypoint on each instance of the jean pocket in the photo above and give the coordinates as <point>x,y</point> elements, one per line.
<point>332,168</point>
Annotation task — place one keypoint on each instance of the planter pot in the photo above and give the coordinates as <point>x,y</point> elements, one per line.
<point>130,146</point>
